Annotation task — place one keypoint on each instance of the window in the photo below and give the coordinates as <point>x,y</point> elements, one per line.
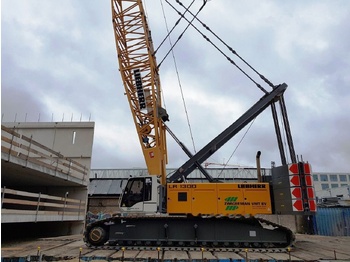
<point>343,184</point>
<point>334,185</point>
<point>315,177</point>
<point>133,192</point>
<point>74,136</point>
<point>333,178</point>
<point>342,178</point>
<point>324,177</point>
<point>324,186</point>
<point>148,189</point>
<point>182,196</point>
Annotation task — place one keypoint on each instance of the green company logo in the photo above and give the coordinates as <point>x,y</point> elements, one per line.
<point>230,203</point>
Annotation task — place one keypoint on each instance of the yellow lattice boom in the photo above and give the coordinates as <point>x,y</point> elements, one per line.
<point>139,72</point>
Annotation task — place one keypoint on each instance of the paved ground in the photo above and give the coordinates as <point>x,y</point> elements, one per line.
<point>306,248</point>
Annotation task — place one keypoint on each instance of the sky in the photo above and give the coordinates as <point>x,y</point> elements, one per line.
<point>59,63</point>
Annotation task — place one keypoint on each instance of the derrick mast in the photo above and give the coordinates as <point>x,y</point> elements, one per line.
<point>139,71</point>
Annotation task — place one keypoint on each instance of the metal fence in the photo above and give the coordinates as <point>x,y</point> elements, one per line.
<point>332,221</point>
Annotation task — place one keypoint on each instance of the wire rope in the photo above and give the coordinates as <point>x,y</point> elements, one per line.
<point>172,29</point>
<point>234,151</point>
<point>188,25</point>
<point>178,79</point>
<point>230,48</point>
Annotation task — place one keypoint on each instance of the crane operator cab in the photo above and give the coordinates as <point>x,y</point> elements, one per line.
<point>140,195</point>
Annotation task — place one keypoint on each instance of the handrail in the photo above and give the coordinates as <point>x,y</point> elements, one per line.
<point>22,202</point>
<point>23,147</point>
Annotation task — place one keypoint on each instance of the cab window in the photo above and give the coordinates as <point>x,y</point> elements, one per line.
<point>137,190</point>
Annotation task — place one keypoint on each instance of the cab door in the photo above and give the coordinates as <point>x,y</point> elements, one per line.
<point>133,195</point>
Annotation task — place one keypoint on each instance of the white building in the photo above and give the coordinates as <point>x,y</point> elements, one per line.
<point>332,184</point>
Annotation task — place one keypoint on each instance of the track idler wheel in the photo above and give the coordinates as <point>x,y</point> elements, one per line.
<point>97,236</point>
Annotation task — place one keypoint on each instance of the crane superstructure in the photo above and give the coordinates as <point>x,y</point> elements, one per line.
<point>164,211</point>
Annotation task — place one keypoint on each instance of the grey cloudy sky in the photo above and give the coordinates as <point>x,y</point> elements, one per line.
<point>59,63</point>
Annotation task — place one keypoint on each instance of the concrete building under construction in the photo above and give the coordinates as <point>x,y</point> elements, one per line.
<point>45,171</point>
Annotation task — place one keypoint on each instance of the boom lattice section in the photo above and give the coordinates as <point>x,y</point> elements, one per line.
<point>140,77</point>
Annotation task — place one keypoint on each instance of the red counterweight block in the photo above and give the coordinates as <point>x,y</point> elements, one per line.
<point>295,188</point>
<point>301,187</point>
<point>307,186</point>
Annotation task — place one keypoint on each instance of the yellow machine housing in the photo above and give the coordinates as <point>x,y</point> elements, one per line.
<point>219,198</point>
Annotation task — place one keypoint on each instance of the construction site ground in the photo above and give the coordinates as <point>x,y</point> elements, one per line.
<point>72,248</point>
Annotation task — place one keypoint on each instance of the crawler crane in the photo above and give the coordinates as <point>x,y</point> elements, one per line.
<point>166,211</point>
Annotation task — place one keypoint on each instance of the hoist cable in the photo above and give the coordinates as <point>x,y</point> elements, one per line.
<point>189,23</point>
<point>179,81</point>
<point>230,48</point>
<point>220,51</point>
<point>239,143</point>
<point>172,29</point>
<point>162,93</point>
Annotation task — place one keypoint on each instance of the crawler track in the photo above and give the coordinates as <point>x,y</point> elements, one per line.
<point>187,233</point>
